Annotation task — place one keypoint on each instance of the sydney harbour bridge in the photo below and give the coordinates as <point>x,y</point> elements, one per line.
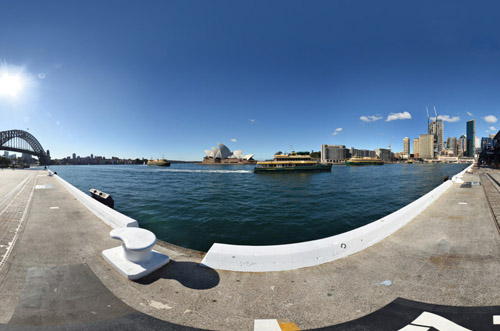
<point>23,142</point>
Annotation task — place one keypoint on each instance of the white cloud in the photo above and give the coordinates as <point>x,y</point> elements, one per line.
<point>469,113</point>
<point>252,120</point>
<point>234,140</point>
<point>398,116</point>
<point>447,118</point>
<point>370,118</point>
<point>42,75</point>
<point>337,131</point>
<point>490,119</point>
<point>492,128</point>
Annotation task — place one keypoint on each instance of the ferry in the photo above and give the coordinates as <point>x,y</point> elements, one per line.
<point>159,163</point>
<point>364,161</point>
<point>292,162</point>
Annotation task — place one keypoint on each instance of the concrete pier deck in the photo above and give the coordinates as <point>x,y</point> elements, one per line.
<point>52,274</point>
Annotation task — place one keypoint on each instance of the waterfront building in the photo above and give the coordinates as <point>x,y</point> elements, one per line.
<point>451,145</point>
<point>383,154</point>
<point>426,146</point>
<point>471,134</point>
<point>477,145</point>
<point>6,154</point>
<point>496,149</point>
<point>223,155</point>
<point>461,145</point>
<point>406,146</point>
<point>487,151</point>
<point>26,158</point>
<point>415,148</point>
<point>333,153</point>
<point>353,152</point>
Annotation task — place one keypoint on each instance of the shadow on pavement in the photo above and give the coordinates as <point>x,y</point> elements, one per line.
<point>189,274</point>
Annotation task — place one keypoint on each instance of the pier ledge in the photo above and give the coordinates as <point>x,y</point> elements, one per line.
<point>441,266</point>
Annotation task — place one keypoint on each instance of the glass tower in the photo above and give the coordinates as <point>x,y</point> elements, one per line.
<point>471,137</point>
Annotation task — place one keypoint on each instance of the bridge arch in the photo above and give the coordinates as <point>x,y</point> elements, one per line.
<point>23,142</point>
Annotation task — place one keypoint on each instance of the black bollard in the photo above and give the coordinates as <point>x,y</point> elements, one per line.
<point>102,197</point>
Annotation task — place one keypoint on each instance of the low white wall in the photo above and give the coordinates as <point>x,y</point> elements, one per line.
<point>315,252</point>
<point>109,216</point>
<point>458,178</point>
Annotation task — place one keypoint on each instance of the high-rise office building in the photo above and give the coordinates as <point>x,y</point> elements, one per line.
<point>451,145</point>
<point>461,145</point>
<point>406,146</point>
<point>416,153</point>
<point>426,146</point>
<point>471,138</point>
<point>436,128</point>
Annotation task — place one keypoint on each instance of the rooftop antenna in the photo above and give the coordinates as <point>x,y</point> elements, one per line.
<point>435,112</point>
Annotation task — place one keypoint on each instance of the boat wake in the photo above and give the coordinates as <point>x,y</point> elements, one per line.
<point>208,171</point>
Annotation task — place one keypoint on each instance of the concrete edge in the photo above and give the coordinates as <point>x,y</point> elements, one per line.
<point>306,254</point>
<point>109,216</point>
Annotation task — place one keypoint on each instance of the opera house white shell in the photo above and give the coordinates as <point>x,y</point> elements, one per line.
<point>223,153</point>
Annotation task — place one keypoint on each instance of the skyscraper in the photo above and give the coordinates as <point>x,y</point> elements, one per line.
<point>471,137</point>
<point>416,153</point>
<point>436,128</point>
<point>451,144</point>
<point>462,146</point>
<point>406,146</point>
<point>426,146</point>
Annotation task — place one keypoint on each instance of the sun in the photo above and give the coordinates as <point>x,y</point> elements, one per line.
<point>10,85</point>
<point>12,81</point>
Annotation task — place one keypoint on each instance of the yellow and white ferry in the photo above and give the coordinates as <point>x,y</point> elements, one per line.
<point>364,161</point>
<point>292,162</point>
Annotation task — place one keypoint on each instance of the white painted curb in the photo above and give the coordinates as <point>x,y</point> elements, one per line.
<point>458,178</point>
<point>315,252</point>
<point>109,216</point>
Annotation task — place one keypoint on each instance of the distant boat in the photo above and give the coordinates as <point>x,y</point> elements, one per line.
<point>159,163</point>
<point>364,161</point>
<point>292,162</point>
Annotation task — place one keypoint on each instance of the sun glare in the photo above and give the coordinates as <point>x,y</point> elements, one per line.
<point>13,81</point>
<point>10,85</point>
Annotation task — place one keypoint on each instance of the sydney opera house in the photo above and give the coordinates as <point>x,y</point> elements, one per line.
<point>223,155</point>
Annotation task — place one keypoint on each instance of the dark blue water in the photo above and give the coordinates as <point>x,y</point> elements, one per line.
<point>196,205</point>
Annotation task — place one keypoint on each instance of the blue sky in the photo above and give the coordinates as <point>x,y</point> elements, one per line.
<point>173,78</point>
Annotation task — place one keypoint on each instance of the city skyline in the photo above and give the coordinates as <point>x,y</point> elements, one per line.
<point>168,79</point>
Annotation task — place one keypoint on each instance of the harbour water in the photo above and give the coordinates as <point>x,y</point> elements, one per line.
<point>196,205</point>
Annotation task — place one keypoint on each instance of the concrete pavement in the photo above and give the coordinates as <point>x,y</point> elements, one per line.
<point>448,255</point>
